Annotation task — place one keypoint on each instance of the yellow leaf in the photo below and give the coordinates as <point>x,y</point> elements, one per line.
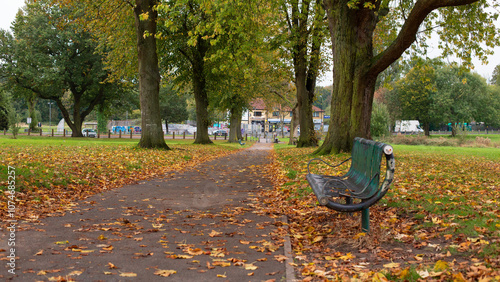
<point>440,265</point>
<point>101,237</point>
<point>62,242</point>
<point>215,234</point>
<point>165,273</point>
<point>391,265</point>
<point>128,274</point>
<point>222,275</point>
<point>76,272</point>
<point>250,267</point>
<point>347,257</point>
<point>317,239</point>
<point>379,277</point>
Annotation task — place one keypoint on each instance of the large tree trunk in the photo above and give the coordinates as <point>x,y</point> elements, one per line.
<point>307,137</point>
<point>32,112</point>
<point>201,100</point>
<point>149,76</point>
<point>235,124</point>
<point>354,86</point>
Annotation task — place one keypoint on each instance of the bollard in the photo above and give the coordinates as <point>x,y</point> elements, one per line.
<point>215,137</point>
<point>120,134</point>
<point>4,131</point>
<point>173,134</point>
<point>184,135</point>
<point>109,133</point>
<point>98,134</point>
<point>64,132</point>
<point>246,137</point>
<point>52,132</point>
<point>130,134</point>
<point>40,132</point>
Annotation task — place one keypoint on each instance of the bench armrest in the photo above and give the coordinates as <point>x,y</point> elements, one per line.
<point>321,160</point>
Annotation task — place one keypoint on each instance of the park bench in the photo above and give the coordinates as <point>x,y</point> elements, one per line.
<point>241,143</point>
<point>360,187</point>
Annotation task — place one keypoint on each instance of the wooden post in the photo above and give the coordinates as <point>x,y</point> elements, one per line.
<point>98,134</point>
<point>109,133</point>
<point>194,135</point>
<point>120,134</point>
<point>41,132</point>
<point>130,134</point>
<point>225,136</point>
<point>184,135</point>
<point>4,131</point>
<point>173,134</point>
<point>52,132</point>
<point>246,137</point>
<point>64,132</point>
<point>29,131</point>
<point>215,137</point>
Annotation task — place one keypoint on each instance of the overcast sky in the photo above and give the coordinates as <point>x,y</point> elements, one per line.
<point>10,8</point>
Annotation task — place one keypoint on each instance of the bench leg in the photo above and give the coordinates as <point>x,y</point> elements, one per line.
<point>365,220</point>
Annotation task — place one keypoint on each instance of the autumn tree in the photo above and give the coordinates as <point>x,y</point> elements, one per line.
<point>127,32</point>
<point>415,93</point>
<point>306,31</point>
<point>462,25</point>
<point>52,59</point>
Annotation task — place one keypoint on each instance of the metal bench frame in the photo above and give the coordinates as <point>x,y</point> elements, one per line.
<point>363,185</point>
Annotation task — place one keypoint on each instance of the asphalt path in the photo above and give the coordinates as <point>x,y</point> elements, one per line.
<point>200,224</point>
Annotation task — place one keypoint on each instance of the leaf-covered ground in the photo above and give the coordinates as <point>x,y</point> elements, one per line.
<point>440,220</point>
<point>52,174</point>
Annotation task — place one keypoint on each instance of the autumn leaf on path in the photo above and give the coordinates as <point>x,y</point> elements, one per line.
<point>128,274</point>
<point>165,273</point>
<point>215,234</point>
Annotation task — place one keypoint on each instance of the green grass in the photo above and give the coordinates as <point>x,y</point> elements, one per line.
<point>488,153</point>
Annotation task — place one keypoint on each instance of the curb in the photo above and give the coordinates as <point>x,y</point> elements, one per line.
<point>289,271</point>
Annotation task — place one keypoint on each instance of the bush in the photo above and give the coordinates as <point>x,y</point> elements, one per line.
<point>380,120</point>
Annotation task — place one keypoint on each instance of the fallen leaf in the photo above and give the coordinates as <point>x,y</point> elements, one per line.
<point>128,274</point>
<point>165,273</point>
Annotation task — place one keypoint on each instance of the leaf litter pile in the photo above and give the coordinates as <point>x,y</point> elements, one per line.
<point>50,179</point>
<point>440,221</point>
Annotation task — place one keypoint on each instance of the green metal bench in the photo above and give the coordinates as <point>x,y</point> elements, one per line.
<point>360,187</point>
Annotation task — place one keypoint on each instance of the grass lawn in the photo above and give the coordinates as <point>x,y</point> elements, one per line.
<point>442,206</point>
<point>52,172</point>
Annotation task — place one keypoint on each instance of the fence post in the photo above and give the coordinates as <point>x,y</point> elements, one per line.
<point>109,133</point>
<point>120,134</point>
<point>184,135</point>
<point>29,131</point>
<point>98,134</point>
<point>215,137</point>
<point>130,134</point>
<point>173,134</point>
<point>246,137</point>
<point>52,132</point>
<point>41,132</point>
<point>4,131</point>
<point>225,136</point>
<point>64,132</point>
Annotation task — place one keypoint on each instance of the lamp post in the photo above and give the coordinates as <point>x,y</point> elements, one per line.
<point>50,113</point>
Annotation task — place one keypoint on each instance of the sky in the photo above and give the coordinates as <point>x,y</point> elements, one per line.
<point>10,8</point>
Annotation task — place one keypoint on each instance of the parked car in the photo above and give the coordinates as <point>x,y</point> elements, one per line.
<point>87,132</point>
<point>220,132</point>
<point>137,129</point>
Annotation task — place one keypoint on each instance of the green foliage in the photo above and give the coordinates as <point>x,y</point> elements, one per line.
<point>380,122</point>
<point>173,107</point>
<point>5,109</point>
<point>13,123</point>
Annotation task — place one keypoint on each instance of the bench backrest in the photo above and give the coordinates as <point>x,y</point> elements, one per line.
<point>366,157</point>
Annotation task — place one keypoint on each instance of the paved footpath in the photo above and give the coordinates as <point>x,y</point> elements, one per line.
<point>199,223</point>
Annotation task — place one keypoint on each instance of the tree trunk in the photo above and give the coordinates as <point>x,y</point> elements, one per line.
<point>200,93</point>
<point>149,76</point>
<point>293,124</point>
<point>166,125</point>
<point>235,124</point>
<point>351,31</point>
<point>32,112</point>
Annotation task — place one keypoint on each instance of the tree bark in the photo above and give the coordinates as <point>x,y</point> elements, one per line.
<point>235,124</point>
<point>200,92</point>
<point>149,76</point>
<point>293,124</point>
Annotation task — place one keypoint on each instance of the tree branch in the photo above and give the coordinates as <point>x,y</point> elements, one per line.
<point>407,34</point>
